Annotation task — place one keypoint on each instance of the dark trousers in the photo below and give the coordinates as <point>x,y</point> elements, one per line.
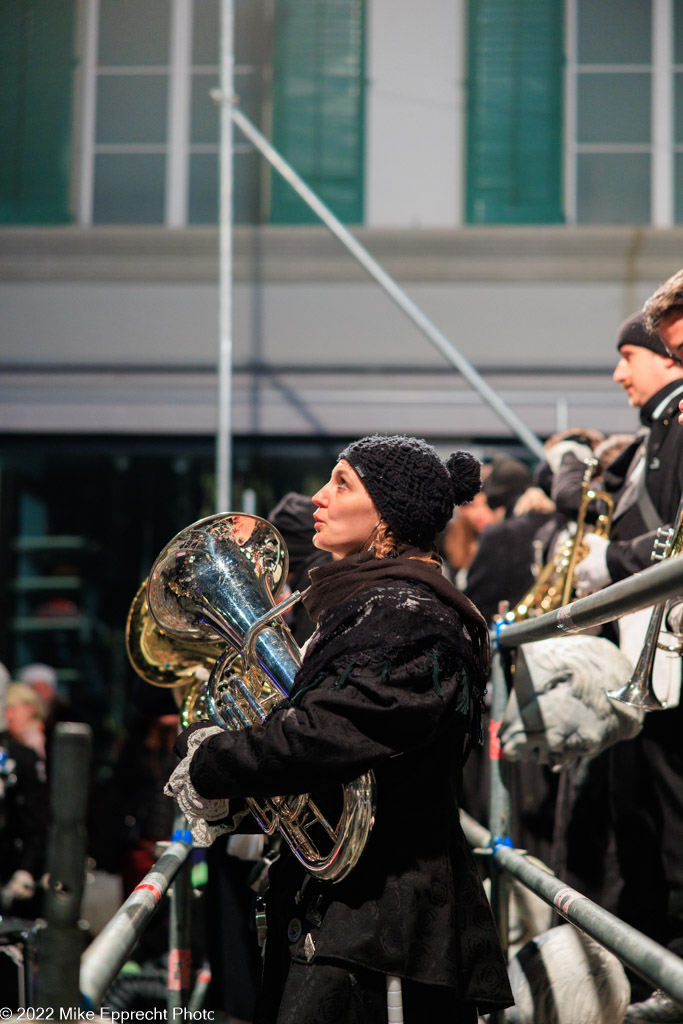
<point>327,993</point>
<point>646,789</point>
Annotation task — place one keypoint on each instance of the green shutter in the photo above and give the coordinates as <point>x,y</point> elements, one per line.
<point>318,106</point>
<point>514,112</point>
<point>36,66</point>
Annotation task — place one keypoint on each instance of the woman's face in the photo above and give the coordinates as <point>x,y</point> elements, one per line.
<point>346,516</point>
<point>18,716</point>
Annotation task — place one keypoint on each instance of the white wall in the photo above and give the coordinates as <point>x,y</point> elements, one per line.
<point>414,113</point>
<point>501,325</point>
<point>116,330</point>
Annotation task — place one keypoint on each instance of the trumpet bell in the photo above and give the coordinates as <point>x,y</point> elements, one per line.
<point>637,696</point>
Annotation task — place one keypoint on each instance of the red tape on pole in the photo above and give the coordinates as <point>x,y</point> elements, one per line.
<point>154,889</point>
<point>179,969</point>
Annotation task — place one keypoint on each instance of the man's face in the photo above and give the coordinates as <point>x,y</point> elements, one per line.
<point>671,332</point>
<point>640,373</point>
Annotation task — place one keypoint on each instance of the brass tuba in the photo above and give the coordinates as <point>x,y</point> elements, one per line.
<point>554,583</point>
<point>216,582</point>
<point>639,691</point>
<point>159,660</point>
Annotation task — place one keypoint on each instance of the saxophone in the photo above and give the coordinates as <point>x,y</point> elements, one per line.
<point>554,582</point>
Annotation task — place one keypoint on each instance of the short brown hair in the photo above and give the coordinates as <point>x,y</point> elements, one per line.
<point>667,298</point>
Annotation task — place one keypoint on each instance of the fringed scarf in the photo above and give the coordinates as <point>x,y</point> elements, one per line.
<point>379,614</point>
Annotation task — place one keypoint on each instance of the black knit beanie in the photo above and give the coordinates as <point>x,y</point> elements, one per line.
<point>414,491</point>
<point>634,332</point>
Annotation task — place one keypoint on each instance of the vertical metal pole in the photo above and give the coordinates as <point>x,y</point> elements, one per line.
<point>223,437</point>
<point>62,942</point>
<point>88,78</point>
<point>662,107</point>
<point>178,149</point>
<point>570,108</point>
<point>179,939</point>
<point>499,808</point>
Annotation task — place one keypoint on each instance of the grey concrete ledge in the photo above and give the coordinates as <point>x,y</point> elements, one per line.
<point>268,254</point>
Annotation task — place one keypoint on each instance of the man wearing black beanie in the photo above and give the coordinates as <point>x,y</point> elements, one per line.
<point>646,480</point>
<point>646,773</point>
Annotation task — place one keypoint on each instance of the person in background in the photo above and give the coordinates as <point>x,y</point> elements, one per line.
<point>501,568</point>
<point>646,773</point>
<point>23,820</point>
<point>663,314</point>
<point>293,517</point>
<point>459,542</point>
<point>146,813</point>
<point>43,680</point>
<point>392,680</point>
<point>646,480</point>
<point>25,714</point>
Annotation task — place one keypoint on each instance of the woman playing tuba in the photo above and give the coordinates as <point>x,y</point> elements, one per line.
<point>392,680</point>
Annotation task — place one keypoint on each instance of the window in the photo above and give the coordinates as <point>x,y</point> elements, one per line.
<point>150,131</point>
<point>150,153</point>
<point>624,112</point>
<point>514,112</point>
<point>318,106</point>
<point>36,68</point>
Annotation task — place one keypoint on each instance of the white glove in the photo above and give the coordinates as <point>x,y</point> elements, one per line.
<point>200,811</point>
<point>591,573</point>
<point>21,886</point>
<point>557,452</point>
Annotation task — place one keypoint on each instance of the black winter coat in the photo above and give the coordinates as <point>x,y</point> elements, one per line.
<point>23,810</point>
<point>414,905</point>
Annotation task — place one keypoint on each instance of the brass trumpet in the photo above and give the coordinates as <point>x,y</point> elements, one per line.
<point>554,584</point>
<point>639,691</point>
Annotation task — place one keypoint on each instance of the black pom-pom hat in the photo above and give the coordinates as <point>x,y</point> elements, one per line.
<point>414,491</point>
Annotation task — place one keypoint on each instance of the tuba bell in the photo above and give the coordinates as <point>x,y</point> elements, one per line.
<point>554,583</point>
<point>159,660</point>
<point>216,582</point>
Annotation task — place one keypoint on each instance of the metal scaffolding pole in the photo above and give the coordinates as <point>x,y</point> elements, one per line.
<point>224,97</point>
<point>106,954</point>
<point>393,290</point>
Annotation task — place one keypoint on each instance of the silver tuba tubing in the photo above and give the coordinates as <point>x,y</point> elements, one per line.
<point>218,580</point>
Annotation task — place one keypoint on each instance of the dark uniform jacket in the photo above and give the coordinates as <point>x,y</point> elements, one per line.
<point>414,905</point>
<point>502,567</point>
<point>631,536</point>
<point>23,810</point>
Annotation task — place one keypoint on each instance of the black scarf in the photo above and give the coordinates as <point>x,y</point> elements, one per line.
<point>378,614</point>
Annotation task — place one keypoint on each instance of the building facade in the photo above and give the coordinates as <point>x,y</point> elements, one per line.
<point>517,169</point>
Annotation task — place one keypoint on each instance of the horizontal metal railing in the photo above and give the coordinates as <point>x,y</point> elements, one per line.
<point>106,955</point>
<point>641,590</point>
<point>659,967</point>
